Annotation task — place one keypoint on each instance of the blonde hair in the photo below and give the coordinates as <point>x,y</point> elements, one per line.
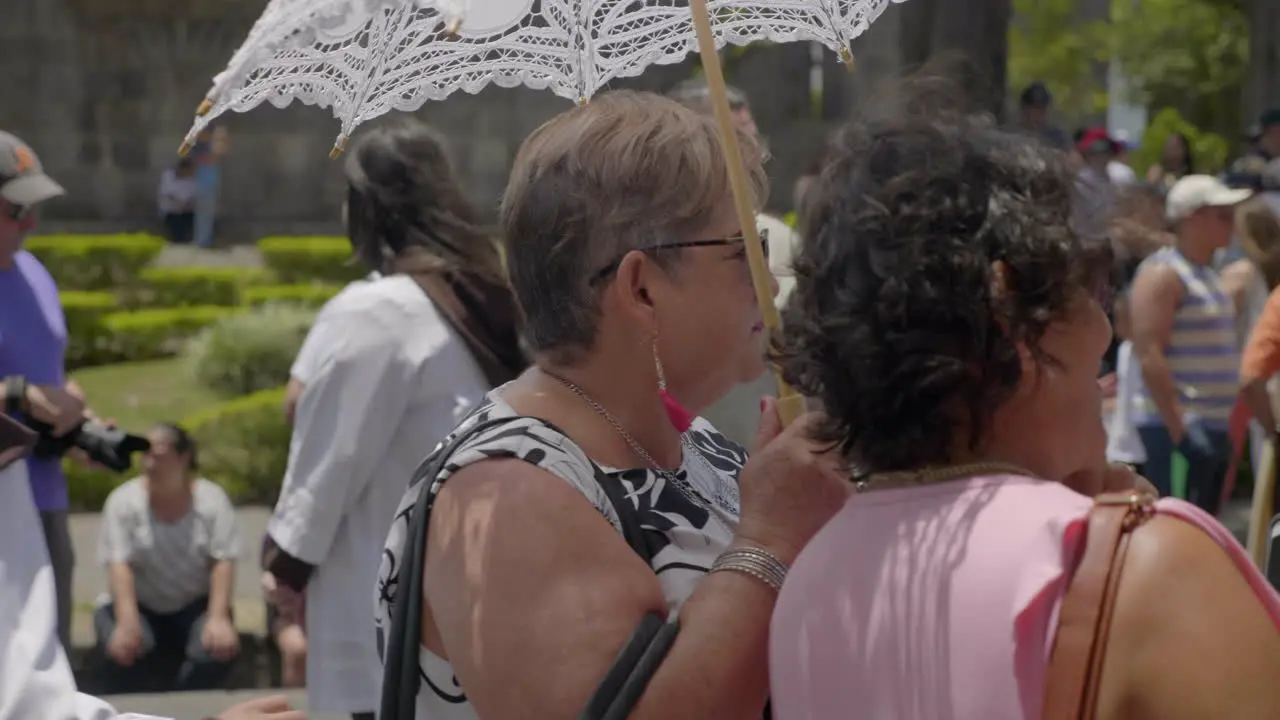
<point>1259,230</point>
<point>627,171</point>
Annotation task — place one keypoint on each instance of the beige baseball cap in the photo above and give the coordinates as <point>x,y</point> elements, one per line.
<point>22,178</point>
<point>1195,192</point>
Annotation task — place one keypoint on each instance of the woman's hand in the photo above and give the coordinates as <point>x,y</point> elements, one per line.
<point>220,638</point>
<point>1108,385</point>
<point>56,406</point>
<point>125,644</point>
<point>1110,478</point>
<point>275,707</point>
<point>790,487</point>
<point>1127,479</point>
<point>268,582</point>
<point>288,602</point>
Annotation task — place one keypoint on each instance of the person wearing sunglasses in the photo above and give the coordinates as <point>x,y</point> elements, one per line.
<point>588,492</point>
<point>33,342</point>
<point>1184,335</point>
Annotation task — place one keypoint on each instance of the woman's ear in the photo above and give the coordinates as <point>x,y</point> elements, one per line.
<point>634,288</point>
<point>999,280</point>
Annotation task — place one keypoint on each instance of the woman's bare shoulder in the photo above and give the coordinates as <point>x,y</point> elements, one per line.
<point>1189,636</point>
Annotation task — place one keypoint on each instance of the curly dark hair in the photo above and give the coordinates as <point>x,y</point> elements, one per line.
<point>898,323</point>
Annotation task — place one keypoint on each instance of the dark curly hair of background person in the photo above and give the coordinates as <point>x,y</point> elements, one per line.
<point>894,324</point>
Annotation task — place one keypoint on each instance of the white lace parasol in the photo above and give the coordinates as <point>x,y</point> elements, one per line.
<point>363,58</point>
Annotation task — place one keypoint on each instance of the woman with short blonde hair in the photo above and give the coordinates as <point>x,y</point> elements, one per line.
<point>627,257</point>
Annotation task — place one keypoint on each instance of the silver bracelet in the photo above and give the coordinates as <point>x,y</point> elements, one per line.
<point>755,562</point>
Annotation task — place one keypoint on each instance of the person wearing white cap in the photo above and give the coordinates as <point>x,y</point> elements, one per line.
<point>1184,334</point>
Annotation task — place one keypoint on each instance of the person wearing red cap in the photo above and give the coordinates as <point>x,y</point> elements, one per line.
<point>1096,193</point>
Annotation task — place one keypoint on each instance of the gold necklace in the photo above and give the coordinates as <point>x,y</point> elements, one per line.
<point>724,500</point>
<point>937,474</point>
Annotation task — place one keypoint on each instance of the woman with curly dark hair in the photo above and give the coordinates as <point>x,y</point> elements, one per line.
<point>952,324</point>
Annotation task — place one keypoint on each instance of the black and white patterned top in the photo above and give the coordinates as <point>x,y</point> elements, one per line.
<point>683,537</point>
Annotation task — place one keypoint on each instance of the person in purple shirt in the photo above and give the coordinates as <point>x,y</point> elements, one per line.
<point>33,342</point>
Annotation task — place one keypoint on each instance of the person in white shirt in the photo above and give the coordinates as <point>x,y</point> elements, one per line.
<point>389,368</point>
<point>1124,444</point>
<point>1118,169</point>
<point>35,678</point>
<point>169,542</point>
<point>176,201</point>
<point>288,630</point>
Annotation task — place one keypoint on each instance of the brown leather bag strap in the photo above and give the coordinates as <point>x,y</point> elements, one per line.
<point>1084,621</point>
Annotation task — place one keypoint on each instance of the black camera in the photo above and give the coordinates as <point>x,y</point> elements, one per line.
<point>110,447</point>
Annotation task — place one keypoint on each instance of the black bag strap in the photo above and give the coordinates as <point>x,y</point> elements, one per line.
<point>401,677</point>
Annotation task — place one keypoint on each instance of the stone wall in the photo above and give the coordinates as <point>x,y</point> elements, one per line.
<point>108,87</point>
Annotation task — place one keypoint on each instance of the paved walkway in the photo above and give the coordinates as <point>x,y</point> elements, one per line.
<point>91,577</point>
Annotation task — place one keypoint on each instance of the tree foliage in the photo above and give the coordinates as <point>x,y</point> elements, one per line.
<point>1186,54</point>
<point>1048,43</point>
<point>1190,55</point>
<point>1208,151</point>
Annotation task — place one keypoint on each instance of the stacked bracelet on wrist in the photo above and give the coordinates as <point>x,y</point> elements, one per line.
<point>755,562</point>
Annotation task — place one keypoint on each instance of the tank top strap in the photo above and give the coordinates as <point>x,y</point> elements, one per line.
<point>1180,264</point>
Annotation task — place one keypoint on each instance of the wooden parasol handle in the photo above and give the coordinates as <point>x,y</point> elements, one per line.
<point>790,402</point>
<point>1264,493</point>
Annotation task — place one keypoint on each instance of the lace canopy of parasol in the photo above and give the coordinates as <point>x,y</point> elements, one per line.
<point>364,58</point>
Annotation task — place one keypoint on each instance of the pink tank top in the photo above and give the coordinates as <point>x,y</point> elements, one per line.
<point>939,602</point>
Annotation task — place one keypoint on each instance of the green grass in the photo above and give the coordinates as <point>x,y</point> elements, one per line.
<point>138,395</point>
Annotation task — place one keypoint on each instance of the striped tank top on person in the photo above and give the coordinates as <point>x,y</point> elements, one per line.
<point>1203,351</point>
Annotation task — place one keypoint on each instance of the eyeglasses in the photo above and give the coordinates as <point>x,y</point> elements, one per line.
<point>738,239</point>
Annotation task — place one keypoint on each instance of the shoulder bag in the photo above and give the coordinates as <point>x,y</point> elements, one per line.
<point>622,686</point>
<point>1074,675</point>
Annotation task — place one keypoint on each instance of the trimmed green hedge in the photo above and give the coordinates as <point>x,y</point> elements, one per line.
<point>244,445</point>
<point>249,351</point>
<point>155,333</point>
<point>311,259</point>
<point>84,312</point>
<point>95,262</point>
<point>311,296</point>
<point>170,287</point>
<point>88,488</point>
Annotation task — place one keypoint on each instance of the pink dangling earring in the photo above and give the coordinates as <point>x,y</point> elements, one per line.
<point>680,418</point>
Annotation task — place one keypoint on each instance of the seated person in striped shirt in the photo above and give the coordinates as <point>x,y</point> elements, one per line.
<point>169,541</point>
